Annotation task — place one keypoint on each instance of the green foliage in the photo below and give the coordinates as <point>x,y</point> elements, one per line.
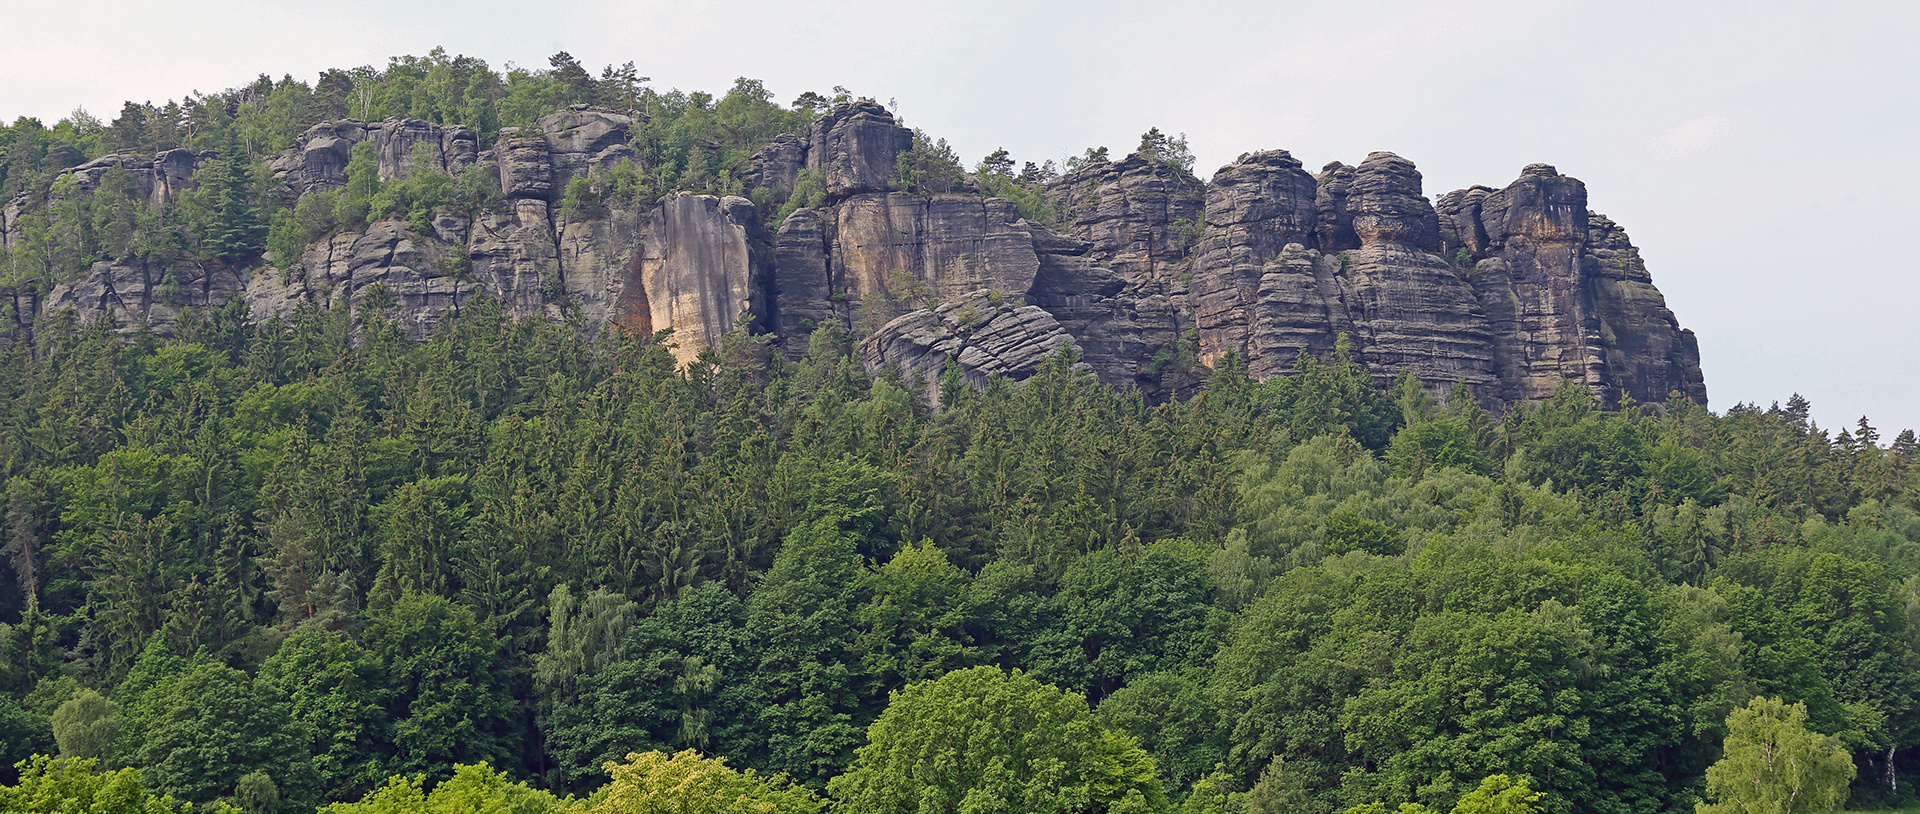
<point>354,208</point>
<point>88,726</point>
<point>22,735</point>
<point>1500,794</point>
<point>336,692</point>
<point>928,167</point>
<point>809,192</point>
<point>1027,192</point>
<point>447,704</point>
<point>984,739</point>
<point>472,789</point>
<point>687,783</point>
<point>78,785</point>
<point>198,732</point>
<point>1773,764</point>
<point>1169,150</point>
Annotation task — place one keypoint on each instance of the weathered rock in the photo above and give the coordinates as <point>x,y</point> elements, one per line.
<point>1333,229</point>
<point>515,250</point>
<point>10,218</point>
<point>981,331</point>
<point>393,143</point>
<point>1565,294</point>
<point>1090,302</point>
<point>699,272</point>
<point>776,167</point>
<point>1244,297</point>
<point>158,180</point>
<point>1140,216</point>
<point>526,164</point>
<point>803,296</point>
<point>582,139</point>
<point>947,244</point>
<point>1508,290</point>
<point>597,257</point>
<point>1648,354</point>
<point>318,158</point>
<point>1139,219</point>
<point>853,147</point>
<point>1387,205</point>
<point>141,295</point>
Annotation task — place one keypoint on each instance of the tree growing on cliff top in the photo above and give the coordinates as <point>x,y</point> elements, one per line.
<point>1169,150</point>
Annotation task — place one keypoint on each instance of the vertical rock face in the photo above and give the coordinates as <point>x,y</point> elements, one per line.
<point>1333,225</point>
<point>583,139</point>
<point>698,272</point>
<point>1647,351</point>
<point>948,244</point>
<point>319,156</point>
<point>1413,312</point>
<point>1138,219</point>
<point>1132,213</point>
<point>1566,294</point>
<point>526,164</point>
<point>853,147</point>
<point>777,166</point>
<point>1151,273</point>
<point>157,179</point>
<point>803,294</point>
<point>1255,289</point>
<point>139,294</point>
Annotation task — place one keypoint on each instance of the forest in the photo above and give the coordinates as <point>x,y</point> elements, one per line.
<point>305,562</point>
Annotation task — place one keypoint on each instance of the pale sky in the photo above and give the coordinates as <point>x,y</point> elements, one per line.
<point>1762,155</point>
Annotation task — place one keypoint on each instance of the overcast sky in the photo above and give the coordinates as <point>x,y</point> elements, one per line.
<point>1763,155</point>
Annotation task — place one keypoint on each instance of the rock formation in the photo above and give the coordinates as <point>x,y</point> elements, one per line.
<point>1147,273</point>
<point>980,330</point>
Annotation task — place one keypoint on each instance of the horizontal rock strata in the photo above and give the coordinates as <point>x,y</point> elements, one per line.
<point>1148,273</point>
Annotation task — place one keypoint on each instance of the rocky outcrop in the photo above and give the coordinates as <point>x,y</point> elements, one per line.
<point>526,164</point>
<point>1503,290</point>
<point>1147,273</point>
<point>1138,219</point>
<point>699,272</point>
<point>319,157</point>
<point>853,147</point>
<point>776,167</point>
<point>137,294</point>
<point>803,294</point>
<point>1255,289</point>
<point>892,249</point>
<point>1411,310</point>
<point>981,331</point>
<point>1647,352</point>
<point>583,139</point>
<point>157,179</point>
<point>1138,215</point>
<point>1565,294</point>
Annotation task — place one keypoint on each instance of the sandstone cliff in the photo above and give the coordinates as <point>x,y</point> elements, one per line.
<point>1148,273</point>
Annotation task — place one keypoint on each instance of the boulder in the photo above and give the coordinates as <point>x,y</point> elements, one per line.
<point>981,331</point>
